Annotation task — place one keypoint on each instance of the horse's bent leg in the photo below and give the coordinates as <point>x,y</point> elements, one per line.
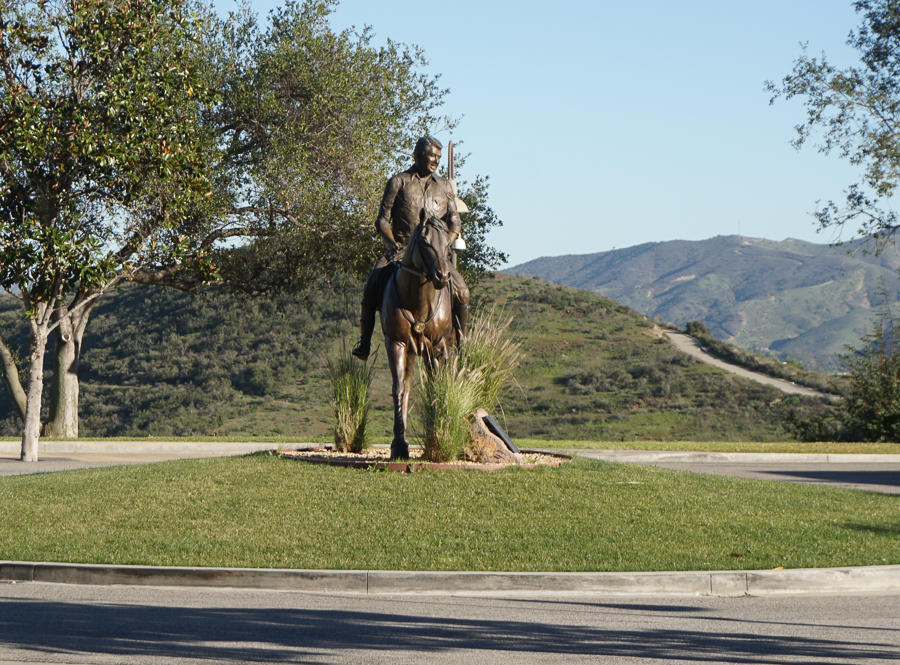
<point>397,360</point>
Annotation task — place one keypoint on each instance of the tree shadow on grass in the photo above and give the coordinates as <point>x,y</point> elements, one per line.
<point>881,529</point>
<point>67,630</point>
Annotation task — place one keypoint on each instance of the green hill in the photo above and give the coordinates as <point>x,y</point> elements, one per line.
<point>796,299</point>
<point>163,363</point>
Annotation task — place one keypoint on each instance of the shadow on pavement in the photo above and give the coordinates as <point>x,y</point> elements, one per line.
<point>850,477</point>
<point>286,635</point>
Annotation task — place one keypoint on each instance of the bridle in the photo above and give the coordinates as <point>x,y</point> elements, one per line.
<point>437,224</point>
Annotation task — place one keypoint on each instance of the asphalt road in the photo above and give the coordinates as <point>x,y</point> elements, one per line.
<point>43,623</point>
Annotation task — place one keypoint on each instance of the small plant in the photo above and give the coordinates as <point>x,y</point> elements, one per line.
<point>350,381</point>
<point>450,393</point>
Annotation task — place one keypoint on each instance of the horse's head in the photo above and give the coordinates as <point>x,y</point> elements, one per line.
<point>429,250</point>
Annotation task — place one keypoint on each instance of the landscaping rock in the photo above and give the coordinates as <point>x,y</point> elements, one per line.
<point>487,448</point>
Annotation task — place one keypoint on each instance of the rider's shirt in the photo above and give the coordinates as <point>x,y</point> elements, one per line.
<point>410,199</point>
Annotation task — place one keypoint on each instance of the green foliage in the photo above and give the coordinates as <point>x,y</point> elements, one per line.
<point>158,362</point>
<point>856,110</point>
<point>350,382</point>
<point>164,363</point>
<point>449,393</point>
<point>810,421</point>
<point>479,258</point>
<point>311,125</point>
<point>593,369</point>
<point>872,402</point>
<point>695,328</point>
<point>465,380</point>
<point>98,137</point>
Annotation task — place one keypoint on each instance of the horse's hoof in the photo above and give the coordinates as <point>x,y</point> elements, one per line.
<point>399,452</point>
<point>361,351</point>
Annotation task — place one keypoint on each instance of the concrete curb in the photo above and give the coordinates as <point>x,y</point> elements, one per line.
<point>810,581</point>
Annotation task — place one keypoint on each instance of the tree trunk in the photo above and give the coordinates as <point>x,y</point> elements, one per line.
<point>63,422</point>
<point>32,429</point>
<point>13,382</point>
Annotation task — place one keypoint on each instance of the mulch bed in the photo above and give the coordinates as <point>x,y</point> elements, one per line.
<point>379,457</point>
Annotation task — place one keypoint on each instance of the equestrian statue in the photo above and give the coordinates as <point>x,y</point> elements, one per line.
<point>423,300</point>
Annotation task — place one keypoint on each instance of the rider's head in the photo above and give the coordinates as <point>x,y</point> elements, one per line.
<point>427,155</point>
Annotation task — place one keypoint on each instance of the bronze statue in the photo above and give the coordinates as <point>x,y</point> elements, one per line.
<point>409,199</point>
<point>419,221</point>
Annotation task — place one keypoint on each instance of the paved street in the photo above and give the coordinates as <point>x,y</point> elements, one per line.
<point>44,623</point>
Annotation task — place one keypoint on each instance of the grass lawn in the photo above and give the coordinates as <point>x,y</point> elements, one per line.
<point>263,511</point>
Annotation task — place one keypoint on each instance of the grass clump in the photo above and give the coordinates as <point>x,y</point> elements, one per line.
<point>489,350</point>
<point>350,382</point>
<point>465,380</point>
<point>450,393</point>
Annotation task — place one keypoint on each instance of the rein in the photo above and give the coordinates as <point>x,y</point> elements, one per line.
<point>419,326</point>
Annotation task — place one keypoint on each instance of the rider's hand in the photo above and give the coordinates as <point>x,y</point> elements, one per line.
<point>394,248</point>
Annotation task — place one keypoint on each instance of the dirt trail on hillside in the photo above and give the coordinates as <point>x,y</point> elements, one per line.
<point>692,347</point>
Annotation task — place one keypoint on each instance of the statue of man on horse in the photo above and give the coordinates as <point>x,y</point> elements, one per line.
<point>410,199</point>
<point>415,286</point>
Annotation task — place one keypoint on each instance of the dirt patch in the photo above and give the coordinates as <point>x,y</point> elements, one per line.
<point>380,458</point>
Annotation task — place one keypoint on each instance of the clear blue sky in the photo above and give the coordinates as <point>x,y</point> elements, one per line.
<point>608,124</point>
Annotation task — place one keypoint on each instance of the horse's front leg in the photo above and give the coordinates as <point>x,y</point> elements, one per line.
<point>401,365</point>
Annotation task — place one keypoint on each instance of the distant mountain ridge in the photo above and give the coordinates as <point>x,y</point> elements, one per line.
<point>797,299</point>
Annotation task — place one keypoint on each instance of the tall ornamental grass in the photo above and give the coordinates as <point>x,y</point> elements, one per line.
<point>449,394</point>
<point>350,382</point>
<point>490,350</point>
<point>465,380</point>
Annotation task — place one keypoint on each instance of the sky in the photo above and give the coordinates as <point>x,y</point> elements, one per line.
<point>606,124</point>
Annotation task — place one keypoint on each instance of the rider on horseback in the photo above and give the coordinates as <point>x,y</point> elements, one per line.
<point>410,198</point>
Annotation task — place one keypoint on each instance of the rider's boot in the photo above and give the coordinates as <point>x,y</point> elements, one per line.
<point>461,322</point>
<point>366,328</point>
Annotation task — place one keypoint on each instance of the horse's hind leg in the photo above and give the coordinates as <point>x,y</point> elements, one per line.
<point>401,371</point>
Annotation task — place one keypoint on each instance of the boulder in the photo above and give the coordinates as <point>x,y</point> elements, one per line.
<point>487,448</point>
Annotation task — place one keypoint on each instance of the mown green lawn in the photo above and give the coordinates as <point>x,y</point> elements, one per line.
<point>264,511</point>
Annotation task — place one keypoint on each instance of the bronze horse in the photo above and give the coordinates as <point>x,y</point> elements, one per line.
<point>416,315</point>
